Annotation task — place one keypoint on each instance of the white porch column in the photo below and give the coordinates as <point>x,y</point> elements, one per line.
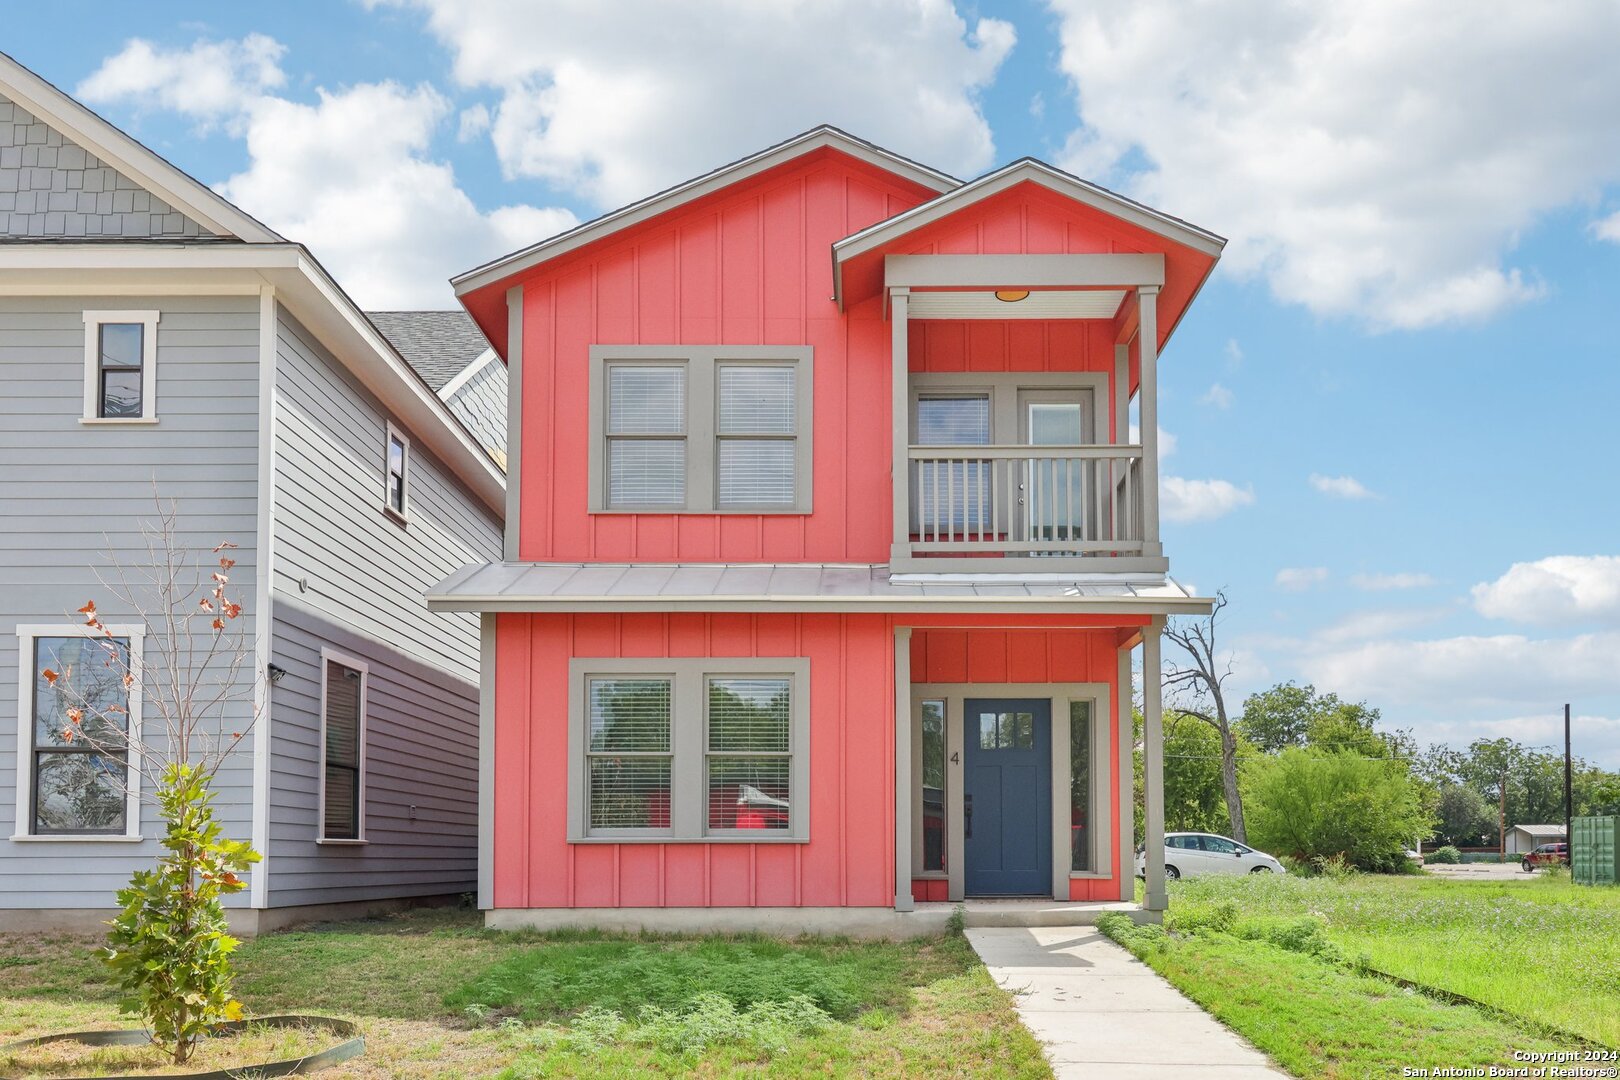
<point>902,769</point>
<point>900,423</point>
<point>1147,347</point>
<point>1153,765</point>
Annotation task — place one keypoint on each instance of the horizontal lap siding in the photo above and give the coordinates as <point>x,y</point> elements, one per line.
<point>1034,656</point>
<point>421,752</point>
<point>350,576</point>
<point>748,267</point>
<point>848,860</point>
<point>72,495</point>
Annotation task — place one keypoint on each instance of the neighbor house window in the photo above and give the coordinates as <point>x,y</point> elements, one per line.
<point>343,748</point>
<point>689,749</point>
<point>120,365</point>
<point>75,776</point>
<point>396,467</point>
<point>687,429</point>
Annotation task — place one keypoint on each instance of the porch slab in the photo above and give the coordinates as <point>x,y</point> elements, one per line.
<point>1019,912</point>
<point>1101,1014</point>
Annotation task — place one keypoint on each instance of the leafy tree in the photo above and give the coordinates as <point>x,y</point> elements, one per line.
<point>1275,719</point>
<point>1292,715</point>
<point>1465,816</point>
<point>1309,802</point>
<point>169,947</point>
<point>1193,798</point>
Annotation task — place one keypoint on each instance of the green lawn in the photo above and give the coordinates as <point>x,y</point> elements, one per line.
<point>1279,959</point>
<point>437,996</point>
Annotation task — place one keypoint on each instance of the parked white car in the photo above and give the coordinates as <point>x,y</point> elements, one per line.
<point>1189,854</point>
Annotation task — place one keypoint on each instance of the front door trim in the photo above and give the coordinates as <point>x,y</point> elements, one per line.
<point>955,696</point>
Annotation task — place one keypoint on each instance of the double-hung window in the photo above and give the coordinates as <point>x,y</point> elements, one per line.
<point>700,429</point>
<point>396,467</point>
<point>689,749</point>
<point>343,749</point>
<point>120,366</point>
<point>80,711</point>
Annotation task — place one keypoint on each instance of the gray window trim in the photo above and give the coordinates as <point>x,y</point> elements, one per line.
<point>393,433</point>
<point>702,407</point>
<point>688,740</point>
<point>1005,389</point>
<point>330,656</point>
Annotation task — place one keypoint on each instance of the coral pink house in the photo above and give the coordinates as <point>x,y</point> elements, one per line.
<point>827,545</point>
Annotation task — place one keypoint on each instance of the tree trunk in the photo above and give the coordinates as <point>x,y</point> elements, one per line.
<point>1229,783</point>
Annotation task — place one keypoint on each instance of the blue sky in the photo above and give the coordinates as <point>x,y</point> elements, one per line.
<point>1416,309</point>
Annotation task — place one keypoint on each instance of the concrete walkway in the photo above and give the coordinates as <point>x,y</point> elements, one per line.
<point>1102,1014</point>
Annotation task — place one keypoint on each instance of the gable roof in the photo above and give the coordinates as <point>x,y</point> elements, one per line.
<point>1025,170</point>
<point>439,345</point>
<point>184,193</point>
<point>825,136</point>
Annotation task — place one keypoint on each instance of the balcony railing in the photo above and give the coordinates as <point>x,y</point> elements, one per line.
<point>1025,503</point>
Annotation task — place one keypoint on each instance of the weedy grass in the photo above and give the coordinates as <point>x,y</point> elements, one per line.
<point>438,996</point>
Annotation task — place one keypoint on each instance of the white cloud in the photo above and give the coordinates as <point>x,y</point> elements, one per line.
<point>1300,578</point>
<point>209,80</point>
<point>616,101</point>
<point>1340,487</point>
<point>1386,582</point>
<point>350,174</point>
<point>1499,672</point>
<point>1559,589</point>
<point>1372,625</point>
<point>1234,353</point>
<point>1185,501</point>
<point>1218,396</point>
<point>474,122</point>
<point>1167,441</point>
<point>1378,159</point>
<point>1608,228</point>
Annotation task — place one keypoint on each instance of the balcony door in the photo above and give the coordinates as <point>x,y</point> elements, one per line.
<point>1055,489</point>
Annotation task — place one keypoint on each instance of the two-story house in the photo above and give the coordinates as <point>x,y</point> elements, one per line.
<point>156,342</point>
<point>827,546</point>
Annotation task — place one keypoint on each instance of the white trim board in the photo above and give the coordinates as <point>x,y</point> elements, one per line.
<point>263,600</point>
<point>27,633</point>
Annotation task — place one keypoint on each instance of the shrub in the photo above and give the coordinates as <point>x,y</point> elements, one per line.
<point>1305,935</point>
<point>1120,927</point>
<point>1310,802</point>
<point>1446,855</point>
<point>1221,917</point>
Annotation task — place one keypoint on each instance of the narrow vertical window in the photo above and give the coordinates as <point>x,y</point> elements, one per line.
<point>933,785</point>
<point>952,496</point>
<point>80,771</point>
<point>755,429</point>
<point>396,465</point>
<point>646,435</point>
<point>1080,786</point>
<point>343,733</point>
<point>120,366</point>
<point>749,753</point>
<point>628,756</point>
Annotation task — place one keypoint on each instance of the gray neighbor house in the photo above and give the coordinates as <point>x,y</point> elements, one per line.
<point>157,340</point>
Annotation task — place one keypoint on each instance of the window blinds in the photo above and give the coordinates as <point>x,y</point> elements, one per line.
<point>646,435</point>
<point>755,427</point>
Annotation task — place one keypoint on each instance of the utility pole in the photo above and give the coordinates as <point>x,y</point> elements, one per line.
<point>1569,800</point>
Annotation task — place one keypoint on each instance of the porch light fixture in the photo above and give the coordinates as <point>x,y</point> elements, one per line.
<point>1012,296</point>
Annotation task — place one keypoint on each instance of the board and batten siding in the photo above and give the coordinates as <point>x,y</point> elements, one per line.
<point>349,575</point>
<point>73,494</point>
<point>421,773</point>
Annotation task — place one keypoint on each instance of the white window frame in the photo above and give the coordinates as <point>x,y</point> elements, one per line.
<point>93,322</point>
<point>403,514</point>
<point>333,656</point>
<point>701,363</point>
<point>689,745</point>
<point>24,821</point>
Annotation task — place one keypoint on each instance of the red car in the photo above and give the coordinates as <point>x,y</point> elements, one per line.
<point>1545,855</point>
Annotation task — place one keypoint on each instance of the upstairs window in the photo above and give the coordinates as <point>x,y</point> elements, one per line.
<point>120,366</point>
<point>396,465</point>
<point>710,429</point>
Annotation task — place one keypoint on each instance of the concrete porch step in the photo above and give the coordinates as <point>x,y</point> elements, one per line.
<point>1017,912</point>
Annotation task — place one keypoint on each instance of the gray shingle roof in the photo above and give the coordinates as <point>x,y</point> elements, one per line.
<point>438,344</point>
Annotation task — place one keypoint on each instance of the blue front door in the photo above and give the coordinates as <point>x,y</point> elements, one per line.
<point>1007,796</point>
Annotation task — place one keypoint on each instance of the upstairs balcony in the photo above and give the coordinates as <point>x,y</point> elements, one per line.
<point>1017,507</point>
